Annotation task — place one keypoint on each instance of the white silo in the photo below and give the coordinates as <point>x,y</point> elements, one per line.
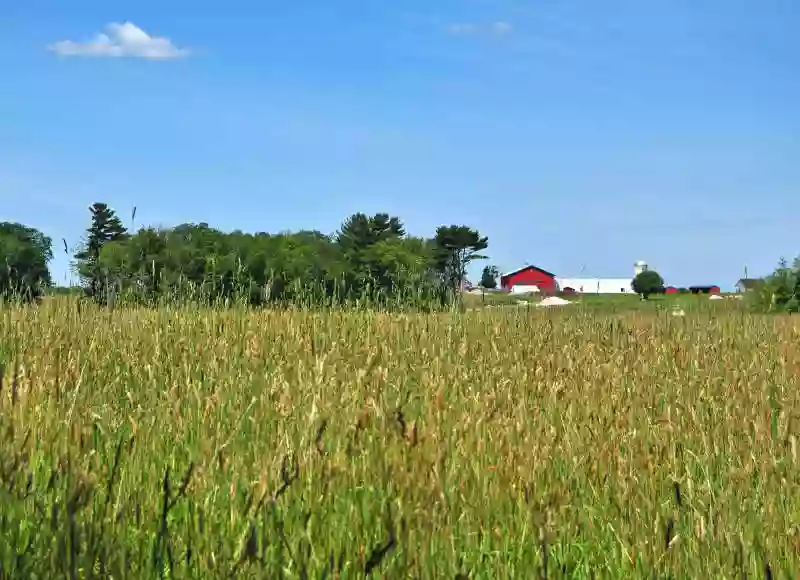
<point>639,267</point>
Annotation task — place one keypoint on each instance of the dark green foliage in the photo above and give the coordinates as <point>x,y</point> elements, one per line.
<point>24,254</point>
<point>648,282</point>
<point>359,231</point>
<point>106,227</point>
<point>370,261</point>
<point>489,277</point>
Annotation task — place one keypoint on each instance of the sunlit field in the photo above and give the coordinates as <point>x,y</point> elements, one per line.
<point>497,443</point>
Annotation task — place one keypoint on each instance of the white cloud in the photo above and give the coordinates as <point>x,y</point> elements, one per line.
<point>501,28</point>
<point>498,28</point>
<point>121,40</point>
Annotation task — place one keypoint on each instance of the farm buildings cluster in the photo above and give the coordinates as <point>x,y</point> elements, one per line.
<point>532,279</point>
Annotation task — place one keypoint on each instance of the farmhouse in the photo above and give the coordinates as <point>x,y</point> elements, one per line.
<point>747,284</point>
<point>529,279</point>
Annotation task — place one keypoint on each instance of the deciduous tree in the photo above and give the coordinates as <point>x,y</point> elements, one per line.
<point>647,283</point>
<point>24,256</point>
<point>489,277</point>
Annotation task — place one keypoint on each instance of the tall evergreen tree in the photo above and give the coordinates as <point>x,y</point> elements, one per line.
<point>105,227</point>
<point>360,231</point>
<point>360,239</point>
<point>456,247</point>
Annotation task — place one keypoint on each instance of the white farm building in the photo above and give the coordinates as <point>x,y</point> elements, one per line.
<point>595,285</point>
<point>601,285</point>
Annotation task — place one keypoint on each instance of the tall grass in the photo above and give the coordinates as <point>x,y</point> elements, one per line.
<point>405,291</point>
<point>197,443</point>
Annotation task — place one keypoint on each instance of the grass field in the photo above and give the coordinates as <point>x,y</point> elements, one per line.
<point>491,444</point>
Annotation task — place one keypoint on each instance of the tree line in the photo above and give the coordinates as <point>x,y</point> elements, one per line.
<point>369,260</point>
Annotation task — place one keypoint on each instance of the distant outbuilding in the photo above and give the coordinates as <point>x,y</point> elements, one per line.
<point>704,289</point>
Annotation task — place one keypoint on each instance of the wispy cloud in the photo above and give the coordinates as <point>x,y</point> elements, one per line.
<point>498,28</point>
<point>462,28</point>
<point>121,40</point>
<point>501,28</point>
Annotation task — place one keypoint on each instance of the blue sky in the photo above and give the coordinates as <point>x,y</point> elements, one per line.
<point>578,135</point>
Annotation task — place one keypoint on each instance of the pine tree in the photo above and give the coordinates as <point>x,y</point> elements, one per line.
<point>456,247</point>
<point>105,227</point>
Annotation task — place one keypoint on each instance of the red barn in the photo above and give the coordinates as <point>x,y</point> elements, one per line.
<point>529,276</point>
<point>671,290</point>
